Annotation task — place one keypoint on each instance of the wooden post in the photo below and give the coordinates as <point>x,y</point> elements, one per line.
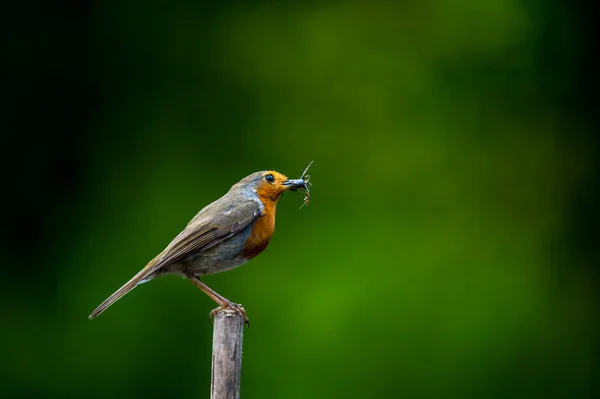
<point>227,355</point>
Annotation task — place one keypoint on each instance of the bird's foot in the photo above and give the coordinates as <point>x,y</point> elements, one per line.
<point>236,307</point>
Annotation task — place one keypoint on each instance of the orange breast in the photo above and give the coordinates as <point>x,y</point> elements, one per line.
<point>261,232</point>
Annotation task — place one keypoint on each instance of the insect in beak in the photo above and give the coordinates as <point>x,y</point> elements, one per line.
<point>303,184</point>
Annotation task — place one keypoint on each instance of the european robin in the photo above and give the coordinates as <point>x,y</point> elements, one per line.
<point>223,235</point>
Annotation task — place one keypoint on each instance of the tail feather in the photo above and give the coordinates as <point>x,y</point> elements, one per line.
<point>128,286</point>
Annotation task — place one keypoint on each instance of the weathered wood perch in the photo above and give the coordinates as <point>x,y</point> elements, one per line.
<point>227,355</point>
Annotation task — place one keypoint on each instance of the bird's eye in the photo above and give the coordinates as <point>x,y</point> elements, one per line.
<point>270,178</point>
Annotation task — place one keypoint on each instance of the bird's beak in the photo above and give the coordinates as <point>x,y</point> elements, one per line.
<point>295,184</point>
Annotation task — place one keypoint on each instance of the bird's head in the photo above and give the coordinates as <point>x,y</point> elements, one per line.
<point>270,184</point>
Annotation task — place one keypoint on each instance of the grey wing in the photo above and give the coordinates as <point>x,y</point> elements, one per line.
<point>204,232</point>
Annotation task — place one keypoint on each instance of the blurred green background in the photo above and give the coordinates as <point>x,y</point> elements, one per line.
<point>451,245</point>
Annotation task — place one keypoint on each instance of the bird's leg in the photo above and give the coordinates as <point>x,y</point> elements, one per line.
<point>223,302</point>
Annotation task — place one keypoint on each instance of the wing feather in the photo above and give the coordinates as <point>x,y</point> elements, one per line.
<point>207,230</point>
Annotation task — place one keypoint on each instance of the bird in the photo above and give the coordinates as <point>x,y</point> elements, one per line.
<point>223,235</point>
